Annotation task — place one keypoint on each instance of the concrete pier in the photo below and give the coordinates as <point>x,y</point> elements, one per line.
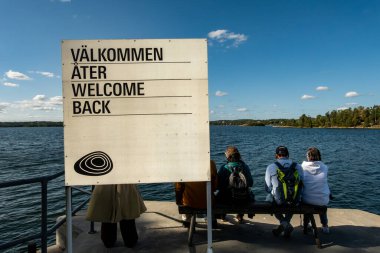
<point>160,230</point>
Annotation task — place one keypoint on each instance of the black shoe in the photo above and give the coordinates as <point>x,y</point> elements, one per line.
<point>288,230</point>
<point>186,224</point>
<point>278,230</point>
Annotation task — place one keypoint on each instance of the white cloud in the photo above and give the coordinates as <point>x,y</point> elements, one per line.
<point>57,100</point>
<point>39,98</point>
<point>10,84</point>
<point>342,108</point>
<point>306,97</point>
<point>243,109</point>
<point>44,73</point>
<point>16,75</point>
<point>40,102</point>
<point>351,94</point>
<point>322,88</point>
<point>3,106</point>
<point>351,104</point>
<point>229,38</point>
<point>220,93</point>
<point>45,108</point>
<point>212,112</point>
<point>217,34</point>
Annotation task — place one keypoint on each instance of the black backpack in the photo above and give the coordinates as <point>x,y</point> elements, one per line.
<point>237,183</point>
<point>289,184</point>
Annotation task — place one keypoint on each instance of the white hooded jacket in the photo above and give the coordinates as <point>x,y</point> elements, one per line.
<point>316,189</point>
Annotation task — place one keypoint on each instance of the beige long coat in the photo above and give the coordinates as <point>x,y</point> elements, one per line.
<point>112,203</point>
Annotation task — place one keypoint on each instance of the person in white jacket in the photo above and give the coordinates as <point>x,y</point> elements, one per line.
<point>315,186</point>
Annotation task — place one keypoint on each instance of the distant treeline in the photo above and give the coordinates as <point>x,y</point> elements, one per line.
<point>32,124</point>
<point>357,117</point>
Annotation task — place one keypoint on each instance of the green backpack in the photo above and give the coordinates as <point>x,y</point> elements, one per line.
<point>290,184</point>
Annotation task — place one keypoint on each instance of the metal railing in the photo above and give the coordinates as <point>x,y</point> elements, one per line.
<point>45,231</point>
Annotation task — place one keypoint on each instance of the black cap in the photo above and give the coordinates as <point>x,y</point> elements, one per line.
<point>282,151</point>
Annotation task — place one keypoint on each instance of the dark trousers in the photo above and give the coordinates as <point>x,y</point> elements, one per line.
<point>128,232</point>
<point>283,217</point>
<point>322,217</point>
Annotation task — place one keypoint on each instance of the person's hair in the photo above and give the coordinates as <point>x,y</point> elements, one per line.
<point>232,154</point>
<point>282,151</point>
<point>313,154</point>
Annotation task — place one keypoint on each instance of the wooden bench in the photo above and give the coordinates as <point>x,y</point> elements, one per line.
<point>257,207</point>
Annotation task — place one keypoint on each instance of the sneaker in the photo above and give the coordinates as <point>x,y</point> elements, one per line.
<point>288,230</point>
<point>325,229</point>
<point>278,230</point>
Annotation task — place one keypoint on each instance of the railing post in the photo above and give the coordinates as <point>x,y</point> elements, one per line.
<point>92,227</point>
<point>209,217</point>
<point>44,216</point>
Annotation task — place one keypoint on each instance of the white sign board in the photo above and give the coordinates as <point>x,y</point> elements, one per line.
<point>135,111</point>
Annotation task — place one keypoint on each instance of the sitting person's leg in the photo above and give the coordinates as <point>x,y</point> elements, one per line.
<point>281,227</point>
<point>324,222</point>
<point>284,226</point>
<point>289,228</point>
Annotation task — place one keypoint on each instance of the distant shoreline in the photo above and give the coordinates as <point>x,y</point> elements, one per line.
<point>32,124</point>
<point>372,127</point>
<point>213,123</point>
<point>276,126</point>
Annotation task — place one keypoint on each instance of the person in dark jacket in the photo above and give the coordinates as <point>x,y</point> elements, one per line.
<point>225,194</point>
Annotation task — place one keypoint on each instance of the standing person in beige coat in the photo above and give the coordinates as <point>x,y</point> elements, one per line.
<point>111,204</point>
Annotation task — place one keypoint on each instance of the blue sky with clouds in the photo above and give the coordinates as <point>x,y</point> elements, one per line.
<point>267,59</point>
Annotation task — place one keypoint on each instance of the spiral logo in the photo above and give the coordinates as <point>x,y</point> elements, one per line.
<point>96,163</point>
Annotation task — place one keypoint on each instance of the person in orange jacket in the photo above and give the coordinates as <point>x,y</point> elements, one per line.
<point>193,194</point>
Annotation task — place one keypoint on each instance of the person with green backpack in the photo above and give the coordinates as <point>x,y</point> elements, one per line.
<point>283,180</point>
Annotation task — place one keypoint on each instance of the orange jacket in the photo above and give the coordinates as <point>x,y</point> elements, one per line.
<point>193,194</point>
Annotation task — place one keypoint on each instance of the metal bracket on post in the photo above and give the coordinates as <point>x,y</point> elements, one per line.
<point>69,222</point>
<point>209,218</point>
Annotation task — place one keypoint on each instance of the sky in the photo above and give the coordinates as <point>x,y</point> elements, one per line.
<point>266,59</point>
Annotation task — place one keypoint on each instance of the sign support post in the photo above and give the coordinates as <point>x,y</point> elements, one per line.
<point>209,218</point>
<point>69,222</point>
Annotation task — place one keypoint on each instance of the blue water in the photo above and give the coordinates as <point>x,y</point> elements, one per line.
<point>351,154</point>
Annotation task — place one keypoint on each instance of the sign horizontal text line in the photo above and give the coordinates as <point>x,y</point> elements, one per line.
<point>97,97</point>
<point>135,114</point>
<point>146,62</point>
<point>125,80</point>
